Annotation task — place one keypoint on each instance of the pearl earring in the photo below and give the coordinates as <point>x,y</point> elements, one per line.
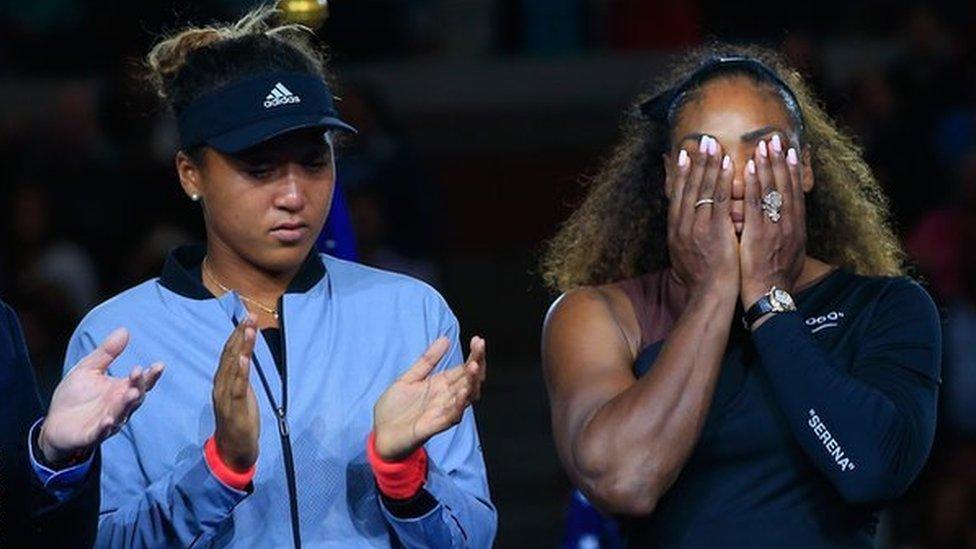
<point>195,197</point>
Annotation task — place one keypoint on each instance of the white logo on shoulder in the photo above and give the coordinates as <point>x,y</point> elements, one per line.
<point>822,322</point>
<point>280,95</point>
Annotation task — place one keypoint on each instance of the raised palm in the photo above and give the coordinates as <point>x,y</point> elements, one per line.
<point>419,405</point>
<point>89,405</point>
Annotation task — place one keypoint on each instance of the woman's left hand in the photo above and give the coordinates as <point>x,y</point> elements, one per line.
<point>419,405</point>
<point>772,253</point>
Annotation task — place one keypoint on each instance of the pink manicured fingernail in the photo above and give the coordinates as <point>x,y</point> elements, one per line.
<point>791,157</point>
<point>762,148</point>
<point>725,162</point>
<point>703,144</point>
<point>712,146</point>
<point>751,166</point>
<point>682,158</point>
<point>776,144</point>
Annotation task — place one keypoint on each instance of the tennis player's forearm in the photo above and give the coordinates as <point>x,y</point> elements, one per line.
<point>868,430</point>
<point>632,448</point>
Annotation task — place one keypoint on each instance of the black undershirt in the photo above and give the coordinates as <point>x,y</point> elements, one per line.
<point>272,336</point>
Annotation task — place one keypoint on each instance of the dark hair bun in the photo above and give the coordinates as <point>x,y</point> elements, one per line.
<point>195,60</point>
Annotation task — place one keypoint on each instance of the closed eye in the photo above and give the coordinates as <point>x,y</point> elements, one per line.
<point>259,172</point>
<point>318,161</point>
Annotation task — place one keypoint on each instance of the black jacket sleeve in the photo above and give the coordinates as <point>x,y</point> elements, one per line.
<point>28,514</point>
<point>868,426</point>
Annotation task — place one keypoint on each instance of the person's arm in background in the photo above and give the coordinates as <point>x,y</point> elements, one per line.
<point>201,491</point>
<point>425,453</point>
<point>26,508</point>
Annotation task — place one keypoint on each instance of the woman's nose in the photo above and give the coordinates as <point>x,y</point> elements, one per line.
<point>290,196</point>
<point>738,187</point>
<point>740,155</point>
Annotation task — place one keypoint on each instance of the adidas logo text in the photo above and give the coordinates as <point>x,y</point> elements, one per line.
<point>280,96</point>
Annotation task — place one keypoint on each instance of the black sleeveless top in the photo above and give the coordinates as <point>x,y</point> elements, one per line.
<point>755,477</point>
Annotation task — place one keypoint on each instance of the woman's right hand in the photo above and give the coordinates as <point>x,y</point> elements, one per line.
<point>701,241</point>
<point>235,405</point>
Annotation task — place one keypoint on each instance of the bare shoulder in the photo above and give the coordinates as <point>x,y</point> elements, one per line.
<point>586,357</point>
<point>603,312</point>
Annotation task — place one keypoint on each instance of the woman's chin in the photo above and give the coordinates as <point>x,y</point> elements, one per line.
<point>285,258</point>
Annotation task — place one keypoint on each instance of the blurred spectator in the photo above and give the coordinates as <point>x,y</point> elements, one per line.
<point>941,511</point>
<point>942,245</point>
<point>52,280</point>
<point>148,257</point>
<point>358,31</point>
<point>396,210</point>
<point>658,24</point>
<point>47,319</point>
<point>587,528</point>
<point>45,258</point>
<point>924,83</point>
<point>945,509</point>
<point>805,53</point>
<point>891,145</point>
<point>553,26</point>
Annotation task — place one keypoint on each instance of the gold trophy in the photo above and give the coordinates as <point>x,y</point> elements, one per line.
<point>311,13</point>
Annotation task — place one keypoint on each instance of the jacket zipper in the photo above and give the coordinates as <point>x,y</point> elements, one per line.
<point>283,430</point>
<point>281,412</point>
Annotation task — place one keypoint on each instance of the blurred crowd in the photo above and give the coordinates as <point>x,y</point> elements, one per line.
<point>92,204</point>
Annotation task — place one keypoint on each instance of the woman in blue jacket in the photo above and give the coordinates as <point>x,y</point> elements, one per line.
<point>364,443</point>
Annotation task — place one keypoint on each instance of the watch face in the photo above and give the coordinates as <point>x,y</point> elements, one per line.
<point>782,301</point>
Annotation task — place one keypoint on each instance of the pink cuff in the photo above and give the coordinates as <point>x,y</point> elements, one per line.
<point>223,472</point>
<point>398,479</point>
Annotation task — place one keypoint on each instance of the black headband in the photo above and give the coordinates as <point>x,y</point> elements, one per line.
<point>255,109</point>
<point>660,107</point>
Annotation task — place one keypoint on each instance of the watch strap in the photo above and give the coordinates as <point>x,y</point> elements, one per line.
<point>758,309</point>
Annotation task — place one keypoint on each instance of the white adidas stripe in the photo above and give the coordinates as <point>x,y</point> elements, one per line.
<point>280,95</point>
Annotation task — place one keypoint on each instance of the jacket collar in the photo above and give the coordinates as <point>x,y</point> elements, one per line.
<point>181,273</point>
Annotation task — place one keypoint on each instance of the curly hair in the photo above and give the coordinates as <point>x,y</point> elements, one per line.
<point>620,229</point>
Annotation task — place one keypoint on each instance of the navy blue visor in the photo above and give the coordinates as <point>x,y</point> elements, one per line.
<point>251,111</point>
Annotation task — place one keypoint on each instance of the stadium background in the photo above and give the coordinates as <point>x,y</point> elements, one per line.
<point>478,120</point>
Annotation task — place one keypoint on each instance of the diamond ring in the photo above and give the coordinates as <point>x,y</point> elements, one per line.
<point>771,204</point>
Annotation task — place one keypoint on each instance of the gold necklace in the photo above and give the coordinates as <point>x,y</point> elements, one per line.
<point>207,271</point>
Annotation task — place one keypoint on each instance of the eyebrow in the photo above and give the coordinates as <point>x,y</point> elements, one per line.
<point>756,134</point>
<point>746,137</point>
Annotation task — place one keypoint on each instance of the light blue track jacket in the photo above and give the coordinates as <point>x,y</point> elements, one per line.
<point>349,331</point>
